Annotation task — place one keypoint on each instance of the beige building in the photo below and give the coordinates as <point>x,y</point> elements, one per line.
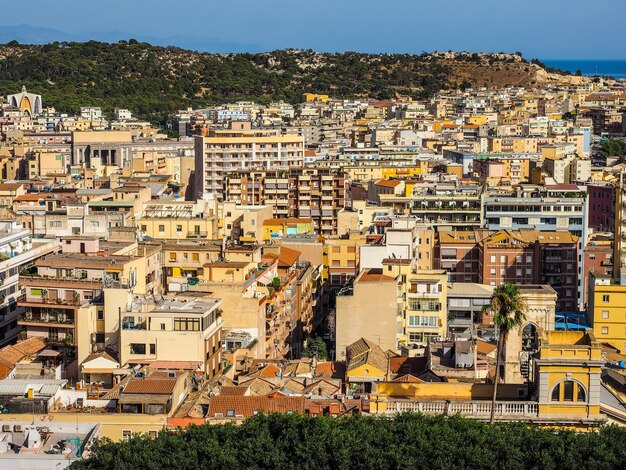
<point>174,220</point>
<point>367,311</point>
<point>240,148</point>
<point>152,332</point>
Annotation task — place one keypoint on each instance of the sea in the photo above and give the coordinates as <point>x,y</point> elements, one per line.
<point>589,67</point>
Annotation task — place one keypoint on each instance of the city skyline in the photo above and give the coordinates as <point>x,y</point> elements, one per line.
<point>243,26</point>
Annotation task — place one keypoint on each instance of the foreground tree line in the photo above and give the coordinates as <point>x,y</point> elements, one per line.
<point>364,442</point>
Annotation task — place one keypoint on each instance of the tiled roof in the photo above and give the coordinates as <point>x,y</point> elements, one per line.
<point>288,256</point>
<point>364,351</point>
<point>150,386</point>
<point>233,391</point>
<point>237,406</point>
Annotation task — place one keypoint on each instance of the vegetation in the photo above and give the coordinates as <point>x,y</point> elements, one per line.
<point>613,148</point>
<point>316,346</point>
<point>154,82</point>
<point>363,442</point>
<point>507,306</point>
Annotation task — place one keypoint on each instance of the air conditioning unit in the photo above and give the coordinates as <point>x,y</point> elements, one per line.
<point>6,428</point>
<point>18,428</point>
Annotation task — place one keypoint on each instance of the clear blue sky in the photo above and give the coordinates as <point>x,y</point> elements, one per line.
<point>549,29</point>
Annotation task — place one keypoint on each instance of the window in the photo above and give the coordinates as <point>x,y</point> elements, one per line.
<point>95,224</point>
<point>179,228</point>
<point>493,258</point>
<point>161,228</point>
<point>172,256</point>
<point>186,324</point>
<point>162,326</point>
<point>100,338</point>
<point>100,315</point>
<point>568,390</point>
<point>556,393</point>
<point>152,348</point>
<point>137,348</point>
<point>126,435</point>
<point>503,259</point>
<point>152,434</point>
<point>605,314</point>
<point>605,298</point>
<point>195,256</point>
<point>230,413</point>
<point>605,330</point>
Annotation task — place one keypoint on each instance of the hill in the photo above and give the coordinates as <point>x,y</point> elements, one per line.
<point>154,81</point>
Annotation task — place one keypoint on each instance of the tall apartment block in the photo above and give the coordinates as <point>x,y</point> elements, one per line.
<point>318,193</point>
<point>242,148</point>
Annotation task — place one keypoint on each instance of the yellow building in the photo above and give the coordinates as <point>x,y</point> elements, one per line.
<point>309,97</point>
<point>607,311</point>
<point>174,220</point>
<point>287,226</point>
<point>568,371</point>
<point>421,301</point>
<point>341,258</point>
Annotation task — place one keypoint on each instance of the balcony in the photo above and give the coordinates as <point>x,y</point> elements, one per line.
<point>58,321</point>
<point>61,282</point>
<point>472,409</point>
<point>28,301</point>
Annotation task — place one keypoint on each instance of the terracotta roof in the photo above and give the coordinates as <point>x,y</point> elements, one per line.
<point>330,369</point>
<point>10,186</point>
<point>483,347</point>
<point>373,275</point>
<point>269,371</point>
<point>387,183</point>
<point>407,378</point>
<point>402,365</point>
<point>363,351</point>
<point>236,406</point>
<point>288,256</point>
<point>288,220</point>
<point>30,346</point>
<point>150,386</point>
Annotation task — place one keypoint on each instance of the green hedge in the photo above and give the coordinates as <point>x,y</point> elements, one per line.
<point>363,442</point>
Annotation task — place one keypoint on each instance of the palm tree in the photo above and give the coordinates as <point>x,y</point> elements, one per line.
<point>507,306</point>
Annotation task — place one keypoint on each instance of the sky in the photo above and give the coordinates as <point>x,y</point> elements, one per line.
<point>546,29</point>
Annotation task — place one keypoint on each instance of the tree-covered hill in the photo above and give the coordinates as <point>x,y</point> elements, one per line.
<point>153,81</point>
<point>364,442</point>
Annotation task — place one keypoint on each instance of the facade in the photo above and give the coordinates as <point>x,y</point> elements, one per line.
<point>368,311</point>
<point>155,332</point>
<point>29,104</point>
<point>318,193</point>
<point>605,311</point>
<point>241,147</point>
<point>18,252</point>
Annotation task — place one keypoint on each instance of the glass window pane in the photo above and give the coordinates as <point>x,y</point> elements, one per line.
<point>556,392</point>
<point>568,390</point>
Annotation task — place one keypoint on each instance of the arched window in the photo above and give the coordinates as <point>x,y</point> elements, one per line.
<point>529,338</point>
<point>569,391</point>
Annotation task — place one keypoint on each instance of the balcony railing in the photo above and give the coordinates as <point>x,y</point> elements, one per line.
<point>29,319</point>
<point>476,409</point>
<point>47,301</point>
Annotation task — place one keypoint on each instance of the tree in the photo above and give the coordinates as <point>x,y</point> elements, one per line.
<point>507,307</point>
<point>276,283</point>
<point>578,73</point>
<point>316,346</point>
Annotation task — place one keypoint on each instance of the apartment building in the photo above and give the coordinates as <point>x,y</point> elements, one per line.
<point>318,193</point>
<point>530,257</point>
<point>446,204</point>
<point>173,219</point>
<point>63,299</point>
<point>18,251</point>
<point>238,148</point>
<point>152,332</point>
<point>548,208</point>
<point>368,310</point>
<point>421,302</point>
